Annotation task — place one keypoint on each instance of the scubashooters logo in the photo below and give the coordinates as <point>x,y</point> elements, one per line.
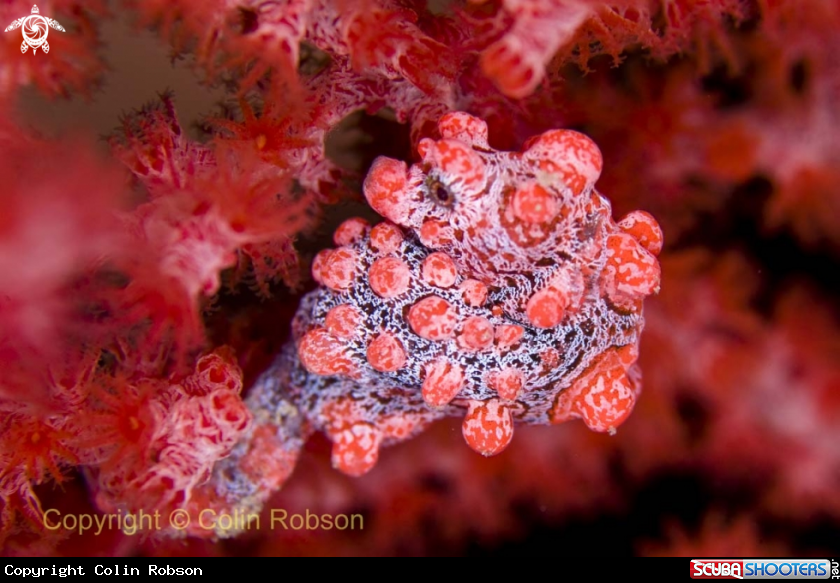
<point>761,568</point>
<point>35,29</point>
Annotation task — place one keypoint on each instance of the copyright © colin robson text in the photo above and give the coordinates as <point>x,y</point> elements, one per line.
<point>207,519</point>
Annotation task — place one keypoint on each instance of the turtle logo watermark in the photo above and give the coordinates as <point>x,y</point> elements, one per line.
<point>35,29</point>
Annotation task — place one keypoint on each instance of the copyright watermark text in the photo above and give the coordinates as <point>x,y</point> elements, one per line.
<point>207,519</point>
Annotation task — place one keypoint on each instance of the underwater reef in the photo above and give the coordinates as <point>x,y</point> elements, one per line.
<point>459,277</point>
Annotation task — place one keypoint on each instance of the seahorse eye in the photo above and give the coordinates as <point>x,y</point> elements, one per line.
<point>440,194</point>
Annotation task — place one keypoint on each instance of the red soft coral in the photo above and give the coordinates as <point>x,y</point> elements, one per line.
<point>169,436</point>
<point>262,38</point>
<point>55,225</point>
<point>208,202</point>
